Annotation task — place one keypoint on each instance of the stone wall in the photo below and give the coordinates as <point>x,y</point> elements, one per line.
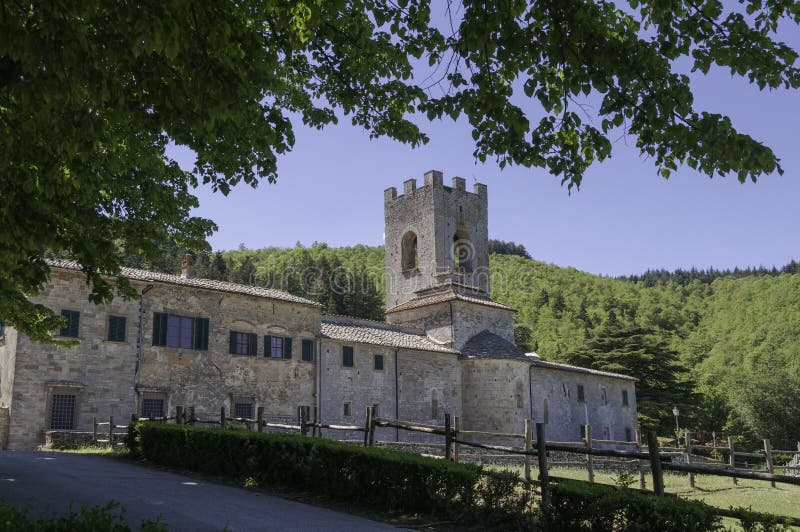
<point>496,394</point>
<point>470,319</point>
<point>555,401</point>
<point>98,372</point>
<point>212,378</point>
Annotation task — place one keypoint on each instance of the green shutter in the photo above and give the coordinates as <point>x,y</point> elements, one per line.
<point>73,323</point>
<point>232,349</point>
<point>252,344</point>
<point>287,348</point>
<point>159,328</point>
<point>267,346</point>
<point>201,334</point>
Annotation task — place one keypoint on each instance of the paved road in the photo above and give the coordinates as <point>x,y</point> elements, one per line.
<point>45,483</point>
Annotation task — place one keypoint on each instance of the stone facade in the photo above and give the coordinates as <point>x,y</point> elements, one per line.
<point>446,346</point>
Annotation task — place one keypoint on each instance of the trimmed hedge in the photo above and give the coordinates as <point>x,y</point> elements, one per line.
<point>576,505</point>
<point>368,477</point>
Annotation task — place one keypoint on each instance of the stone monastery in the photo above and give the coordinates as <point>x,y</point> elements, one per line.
<point>445,347</point>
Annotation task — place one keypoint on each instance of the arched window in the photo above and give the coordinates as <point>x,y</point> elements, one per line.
<point>463,252</point>
<point>409,251</point>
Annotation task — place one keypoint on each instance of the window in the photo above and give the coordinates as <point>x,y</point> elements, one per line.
<point>243,344</point>
<point>183,332</point>
<point>243,410</point>
<point>603,396</point>
<point>70,329</point>
<point>347,356</point>
<point>116,328</point>
<point>62,412</point>
<point>277,347</point>
<point>308,351</point>
<point>583,432</point>
<point>152,408</point>
<point>346,410</point>
<point>581,397</point>
<point>375,410</point>
<point>564,387</point>
<point>378,362</point>
<point>628,436</point>
<point>606,433</point>
<point>434,405</point>
<point>624,397</point>
<point>463,252</point>
<point>304,412</point>
<point>409,251</point>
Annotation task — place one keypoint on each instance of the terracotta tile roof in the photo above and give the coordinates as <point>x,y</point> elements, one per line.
<point>444,297</point>
<point>347,329</point>
<point>136,274</point>
<point>536,361</point>
<point>486,344</point>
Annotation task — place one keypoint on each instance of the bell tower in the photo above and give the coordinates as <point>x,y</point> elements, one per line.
<point>436,238</point>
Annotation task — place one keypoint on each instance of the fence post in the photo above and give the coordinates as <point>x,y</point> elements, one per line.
<point>541,451</point>
<point>111,431</point>
<point>589,457</point>
<point>303,422</point>
<point>371,427</point>
<point>192,418</point>
<point>732,458</point>
<point>770,466</point>
<point>456,446</point>
<point>367,422</point>
<point>688,439</point>
<point>222,417</point>
<point>94,430</point>
<point>655,463</point>
<point>528,438</point>
<point>448,438</point>
<point>642,480</point>
<point>260,418</point>
<point>179,415</point>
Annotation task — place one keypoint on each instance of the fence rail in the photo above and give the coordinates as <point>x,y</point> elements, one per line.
<point>649,455</point>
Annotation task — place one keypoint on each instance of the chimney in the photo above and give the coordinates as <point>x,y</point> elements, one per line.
<point>187,266</point>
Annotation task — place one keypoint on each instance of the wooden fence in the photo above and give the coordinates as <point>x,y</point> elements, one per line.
<point>108,435</point>
<point>649,455</point>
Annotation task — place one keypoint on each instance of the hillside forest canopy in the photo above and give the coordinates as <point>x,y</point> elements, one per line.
<point>722,345</point>
<point>92,93</point>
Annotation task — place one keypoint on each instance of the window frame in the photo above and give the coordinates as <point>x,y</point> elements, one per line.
<point>153,395</point>
<point>348,352</point>
<point>581,394</point>
<point>347,409</point>
<point>243,402</point>
<point>63,393</point>
<point>306,342</point>
<point>110,328</point>
<point>200,328</point>
<point>604,395</point>
<point>375,358</point>
<point>284,343</point>
<point>625,399</point>
<point>248,342</point>
<point>71,329</point>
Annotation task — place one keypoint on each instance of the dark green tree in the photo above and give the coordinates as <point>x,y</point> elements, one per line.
<point>638,352</point>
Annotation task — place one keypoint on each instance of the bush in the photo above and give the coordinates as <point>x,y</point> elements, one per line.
<point>107,518</point>
<point>576,505</point>
<point>368,477</point>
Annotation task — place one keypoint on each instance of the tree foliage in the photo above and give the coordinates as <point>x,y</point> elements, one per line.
<point>92,93</point>
<point>640,353</point>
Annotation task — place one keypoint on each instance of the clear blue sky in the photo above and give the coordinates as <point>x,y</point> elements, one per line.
<point>625,219</point>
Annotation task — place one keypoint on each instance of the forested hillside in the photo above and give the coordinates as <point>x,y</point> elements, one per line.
<point>731,337</point>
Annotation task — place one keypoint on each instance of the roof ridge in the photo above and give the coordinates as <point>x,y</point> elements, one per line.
<point>382,324</point>
<point>139,274</point>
